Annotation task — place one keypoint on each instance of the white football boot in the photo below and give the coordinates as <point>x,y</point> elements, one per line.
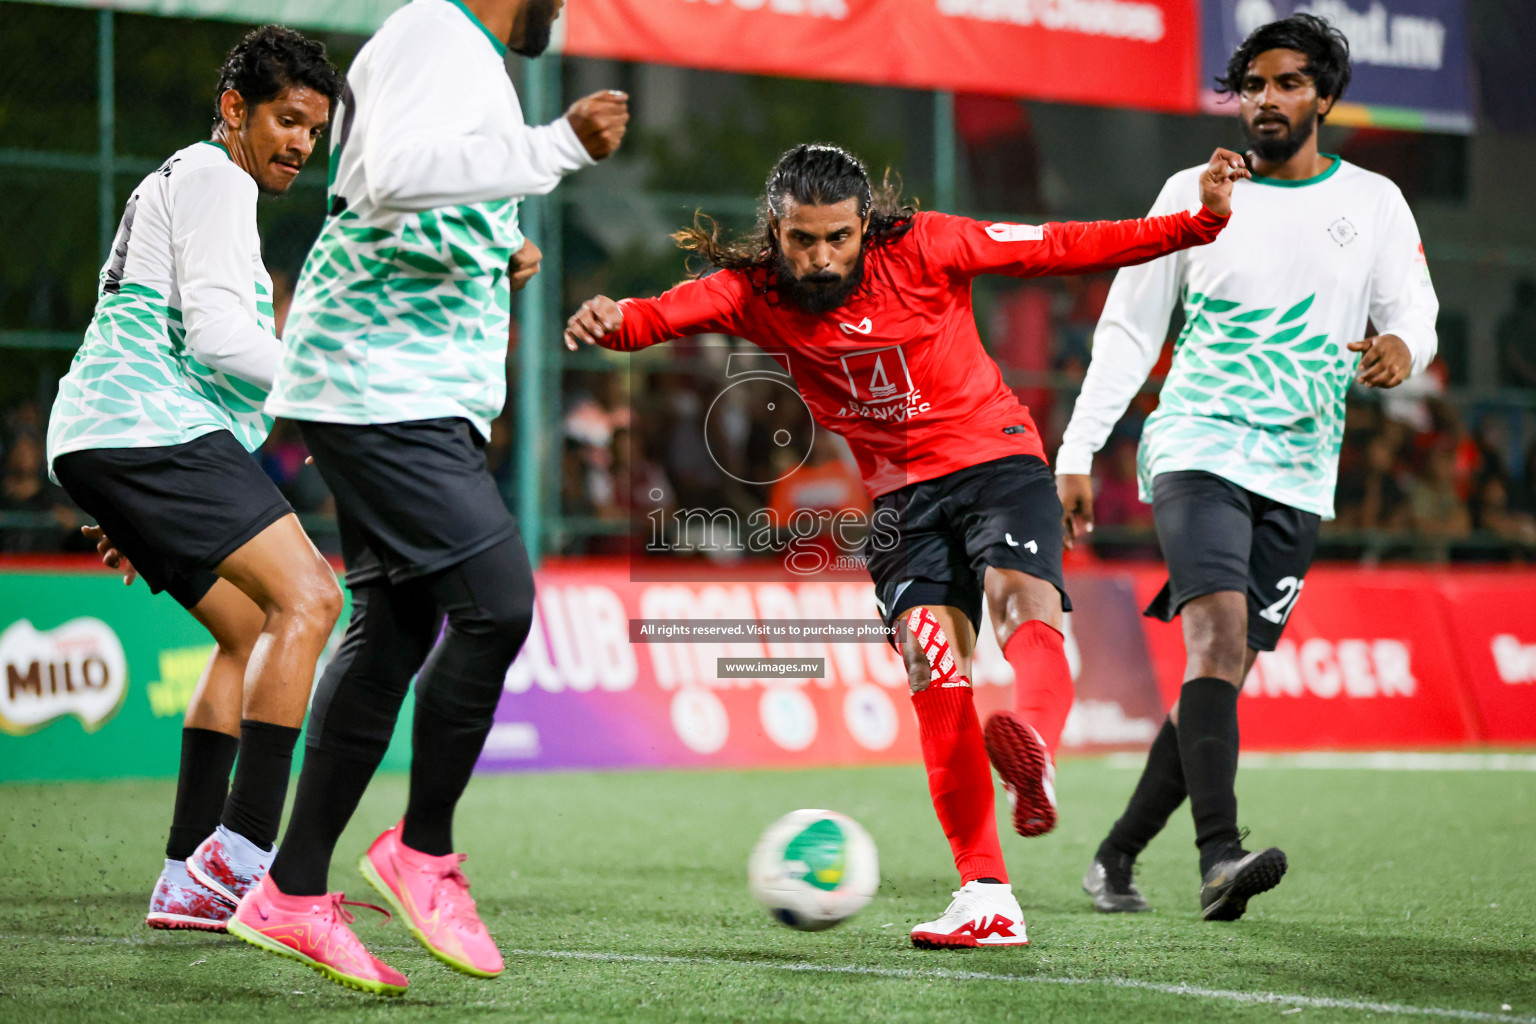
<point>982,914</point>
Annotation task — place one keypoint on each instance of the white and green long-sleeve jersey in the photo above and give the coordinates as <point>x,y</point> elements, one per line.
<point>182,340</point>
<point>1256,390</point>
<point>403,306</point>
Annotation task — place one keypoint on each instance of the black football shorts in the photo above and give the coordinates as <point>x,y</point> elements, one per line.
<point>175,511</point>
<point>1218,536</point>
<point>931,542</point>
<point>412,498</point>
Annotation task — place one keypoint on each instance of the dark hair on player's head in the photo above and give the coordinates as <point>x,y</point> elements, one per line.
<point>811,174</point>
<point>272,58</point>
<point>1326,49</point>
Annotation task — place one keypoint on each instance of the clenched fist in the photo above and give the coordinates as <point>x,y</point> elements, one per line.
<point>1216,181</point>
<point>600,120</point>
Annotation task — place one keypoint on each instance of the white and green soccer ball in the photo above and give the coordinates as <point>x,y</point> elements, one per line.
<point>813,869</point>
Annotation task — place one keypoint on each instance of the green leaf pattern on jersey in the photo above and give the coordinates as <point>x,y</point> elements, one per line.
<point>1256,397</point>
<point>402,323</point>
<point>134,384</point>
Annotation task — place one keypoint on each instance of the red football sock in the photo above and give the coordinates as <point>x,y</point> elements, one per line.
<point>1042,680</point>
<point>960,779</point>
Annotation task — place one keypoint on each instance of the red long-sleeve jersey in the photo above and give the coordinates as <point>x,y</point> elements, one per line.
<point>899,370</point>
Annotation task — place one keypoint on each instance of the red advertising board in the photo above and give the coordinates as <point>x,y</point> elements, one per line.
<point>1368,661</point>
<point>1493,617</point>
<point>1118,53</point>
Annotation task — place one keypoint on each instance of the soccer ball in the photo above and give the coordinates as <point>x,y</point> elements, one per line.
<point>813,869</point>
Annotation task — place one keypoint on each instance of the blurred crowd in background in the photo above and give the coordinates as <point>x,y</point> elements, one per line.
<point>1419,478</point>
<point>1443,468</point>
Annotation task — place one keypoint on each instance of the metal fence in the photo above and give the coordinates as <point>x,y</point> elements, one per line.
<point>91,100</point>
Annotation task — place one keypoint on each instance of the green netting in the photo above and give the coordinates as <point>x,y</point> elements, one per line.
<point>337,15</point>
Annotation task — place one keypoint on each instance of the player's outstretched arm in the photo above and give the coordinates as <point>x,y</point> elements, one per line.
<point>1086,248</point>
<point>710,305</point>
<point>967,247</point>
<point>436,152</point>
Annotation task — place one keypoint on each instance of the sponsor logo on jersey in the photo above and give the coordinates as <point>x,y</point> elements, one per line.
<point>1016,232</point>
<point>75,669</point>
<point>877,375</point>
<point>862,327</point>
<point>1515,661</point>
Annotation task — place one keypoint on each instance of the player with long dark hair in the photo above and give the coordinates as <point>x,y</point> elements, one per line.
<point>872,300</point>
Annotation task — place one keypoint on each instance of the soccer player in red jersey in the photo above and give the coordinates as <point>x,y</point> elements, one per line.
<point>867,303</point>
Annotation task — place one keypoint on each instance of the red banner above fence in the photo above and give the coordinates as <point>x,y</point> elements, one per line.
<point>1118,53</point>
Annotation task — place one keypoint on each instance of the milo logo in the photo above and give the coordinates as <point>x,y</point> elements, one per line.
<point>76,669</point>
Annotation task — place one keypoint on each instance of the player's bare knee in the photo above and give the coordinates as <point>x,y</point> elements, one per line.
<point>315,601</point>
<point>1216,636</point>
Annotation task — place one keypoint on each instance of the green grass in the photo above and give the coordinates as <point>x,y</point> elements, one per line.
<point>1412,888</point>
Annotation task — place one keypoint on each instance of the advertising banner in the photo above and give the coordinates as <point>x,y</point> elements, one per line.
<point>1118,53</point>
<point>95,677</point>
<point>1493,618</point>
<point>618,673</point>
<point>1368,661</point>
<point>1412,59</point>
<point>584,693</point>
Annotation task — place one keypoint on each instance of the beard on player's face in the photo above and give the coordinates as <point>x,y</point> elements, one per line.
<point>538,25</point>
<point>1284,138</point>
<point>820,291</point>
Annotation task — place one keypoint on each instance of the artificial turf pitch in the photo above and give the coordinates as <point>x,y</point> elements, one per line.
<point>622,897</point>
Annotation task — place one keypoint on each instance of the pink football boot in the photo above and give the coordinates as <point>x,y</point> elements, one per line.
<point>432,895</point>
<point>313,930</point>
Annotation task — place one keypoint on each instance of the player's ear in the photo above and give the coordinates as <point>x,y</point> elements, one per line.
<point>232,108</point>
<point>1324,105</point>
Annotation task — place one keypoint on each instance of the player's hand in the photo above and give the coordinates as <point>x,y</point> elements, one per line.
<point>110,556</point>
<point>597,317</point>
<point>1225,170</point>
<point>1076,493</point>
<point>1386,363</point>
<point>600,120</point>
<point>525,264</point>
